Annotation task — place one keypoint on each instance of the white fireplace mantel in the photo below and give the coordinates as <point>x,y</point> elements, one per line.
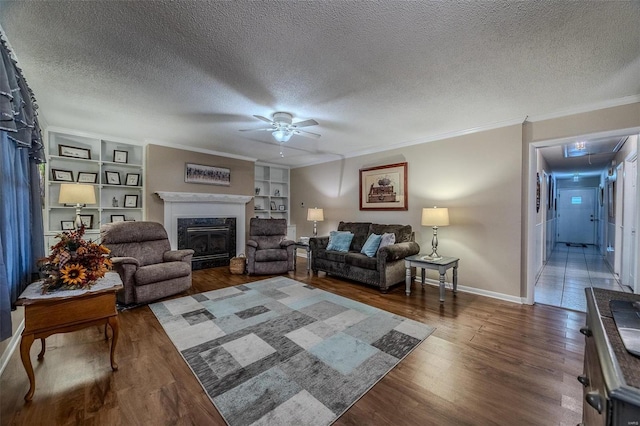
<point>205,205</point>
<point>199,197</point>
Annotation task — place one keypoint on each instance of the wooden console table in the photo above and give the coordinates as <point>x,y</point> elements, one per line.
<point>65,311</point>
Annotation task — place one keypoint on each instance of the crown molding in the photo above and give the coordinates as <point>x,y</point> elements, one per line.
<point>586,108</point>
<point>200,150</point>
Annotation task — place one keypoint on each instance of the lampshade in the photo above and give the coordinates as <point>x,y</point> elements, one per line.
<point>315,214</point>
<point>76,193</point>
<point>282,135</point>
<point>435,216</point>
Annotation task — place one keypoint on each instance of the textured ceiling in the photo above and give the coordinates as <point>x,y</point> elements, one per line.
<point>373,74</point>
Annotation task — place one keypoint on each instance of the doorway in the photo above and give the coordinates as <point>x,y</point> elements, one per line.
<point>560,270</point>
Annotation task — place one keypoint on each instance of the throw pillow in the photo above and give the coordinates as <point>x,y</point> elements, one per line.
<point>387,239</point>
<point>339,241</point>
<point>370,247</point>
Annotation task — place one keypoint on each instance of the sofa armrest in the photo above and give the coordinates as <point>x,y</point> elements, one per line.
<point>119,261</point>
<point>286,243</point>
<point>177,255</point>
<point>316,243</point>
<point>253,244</point>
<point>397,251</point>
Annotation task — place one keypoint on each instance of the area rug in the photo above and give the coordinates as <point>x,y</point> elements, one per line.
<point>280,352</point>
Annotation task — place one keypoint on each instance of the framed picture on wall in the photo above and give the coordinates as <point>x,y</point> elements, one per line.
<point>87,177</point>
<point>87,220</point>
<point>62,175</point>
<point>131,201</point>
<point>198,173</point>
<point>74,152</point>
<point>133,179</point>
<point>67,225</point>
<point>113,178</point>
<point>120,156</point>
<point>384,187</point>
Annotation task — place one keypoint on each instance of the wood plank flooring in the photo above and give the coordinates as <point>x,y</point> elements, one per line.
<point>488,362</point>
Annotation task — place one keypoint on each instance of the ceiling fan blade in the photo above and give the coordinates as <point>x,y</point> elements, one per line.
<point>306,123</point>
<point>306,134</point>
<point>257,130</point>
<point>259,117</point>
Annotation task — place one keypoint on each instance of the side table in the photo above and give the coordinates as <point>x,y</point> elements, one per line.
<point>441,265</point>
<point>65,311</point>
<point>306,247</point>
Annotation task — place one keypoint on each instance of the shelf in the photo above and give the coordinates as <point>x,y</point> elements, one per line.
<point>102,153</point>
<point>270,178</point>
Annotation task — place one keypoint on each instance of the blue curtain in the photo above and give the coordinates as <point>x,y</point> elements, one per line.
<point>21,228</point>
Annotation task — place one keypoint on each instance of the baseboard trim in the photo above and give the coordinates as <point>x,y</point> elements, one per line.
<point>13,344</point>
<point>477,291</point>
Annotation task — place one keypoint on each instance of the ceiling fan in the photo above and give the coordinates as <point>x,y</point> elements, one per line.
<point>282,127</point>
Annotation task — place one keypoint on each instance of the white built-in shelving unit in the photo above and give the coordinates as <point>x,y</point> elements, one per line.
<point>78,157</point>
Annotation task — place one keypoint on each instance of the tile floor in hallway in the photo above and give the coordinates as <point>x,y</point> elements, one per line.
<point>568,272</point>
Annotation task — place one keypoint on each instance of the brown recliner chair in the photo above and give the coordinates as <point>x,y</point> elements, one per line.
<point>142,256</point>
<point>268,250</point>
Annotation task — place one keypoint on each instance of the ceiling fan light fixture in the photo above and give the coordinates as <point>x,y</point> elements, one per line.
<point>282,135</point>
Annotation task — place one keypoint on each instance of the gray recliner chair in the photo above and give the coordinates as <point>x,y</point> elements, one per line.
<point>142,256</point>
<point>268,250</point>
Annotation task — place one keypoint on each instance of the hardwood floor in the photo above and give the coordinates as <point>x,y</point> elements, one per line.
<point>488,362</point>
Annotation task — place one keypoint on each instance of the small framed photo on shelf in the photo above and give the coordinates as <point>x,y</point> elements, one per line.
<point>87,220</point>
<point>120,156</point>
<point>273,205</point>
<point>73,152</point>
<point>281,207</point>
<point>131,201</point>
<point>62,175</point>
<point>113,178</point>
<point>133,179</point>
<point>67,225</point>
<point>87,177</point>
<point>117,218</point>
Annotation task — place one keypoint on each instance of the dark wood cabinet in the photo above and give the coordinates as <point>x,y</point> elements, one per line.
<point>611,375</point>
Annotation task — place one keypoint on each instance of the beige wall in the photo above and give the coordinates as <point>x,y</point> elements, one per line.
<point>477,176</point>
<point>165,172</point>
<point>483,178</point>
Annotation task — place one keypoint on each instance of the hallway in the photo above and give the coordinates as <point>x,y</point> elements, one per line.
<point>568,272</point>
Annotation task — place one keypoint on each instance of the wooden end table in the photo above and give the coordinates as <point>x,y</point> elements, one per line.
<point>441,265</point>
<point>66,311</point>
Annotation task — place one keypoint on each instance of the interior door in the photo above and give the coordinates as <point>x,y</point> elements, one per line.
<point>576,215</point>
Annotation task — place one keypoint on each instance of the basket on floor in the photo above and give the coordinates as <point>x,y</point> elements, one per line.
<point>237,264</point>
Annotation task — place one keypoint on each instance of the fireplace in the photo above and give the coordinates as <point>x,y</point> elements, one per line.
<point>212,239</point>
<point>198,205</point>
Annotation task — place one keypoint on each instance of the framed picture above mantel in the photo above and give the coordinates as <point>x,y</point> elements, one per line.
<point>198,173</point>
<point>384,187</point>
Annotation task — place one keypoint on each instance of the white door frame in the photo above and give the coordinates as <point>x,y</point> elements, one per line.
<point>529,216</point>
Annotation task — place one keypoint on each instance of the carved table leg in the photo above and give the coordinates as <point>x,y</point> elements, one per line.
<point>25,347</point>
<point>115,328</point>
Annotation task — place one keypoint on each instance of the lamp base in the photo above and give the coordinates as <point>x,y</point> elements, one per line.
<point>432,257</point>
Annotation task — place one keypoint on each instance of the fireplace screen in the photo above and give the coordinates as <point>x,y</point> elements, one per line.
<point>212,239</point>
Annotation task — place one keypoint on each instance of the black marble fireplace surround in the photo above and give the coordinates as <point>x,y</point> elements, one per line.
<point>212,239</point>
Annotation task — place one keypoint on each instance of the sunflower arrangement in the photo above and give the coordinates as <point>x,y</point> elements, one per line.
<point>74,263</point>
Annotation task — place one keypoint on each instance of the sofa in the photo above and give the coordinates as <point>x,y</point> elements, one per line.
<point>384,269</point>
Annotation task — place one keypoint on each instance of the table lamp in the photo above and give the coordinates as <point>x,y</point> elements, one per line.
<point>435,217</point>
<point>316,215</point>
<point>78,194</point>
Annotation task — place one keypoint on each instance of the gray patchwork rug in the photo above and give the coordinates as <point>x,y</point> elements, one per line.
<point>279,352</point>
